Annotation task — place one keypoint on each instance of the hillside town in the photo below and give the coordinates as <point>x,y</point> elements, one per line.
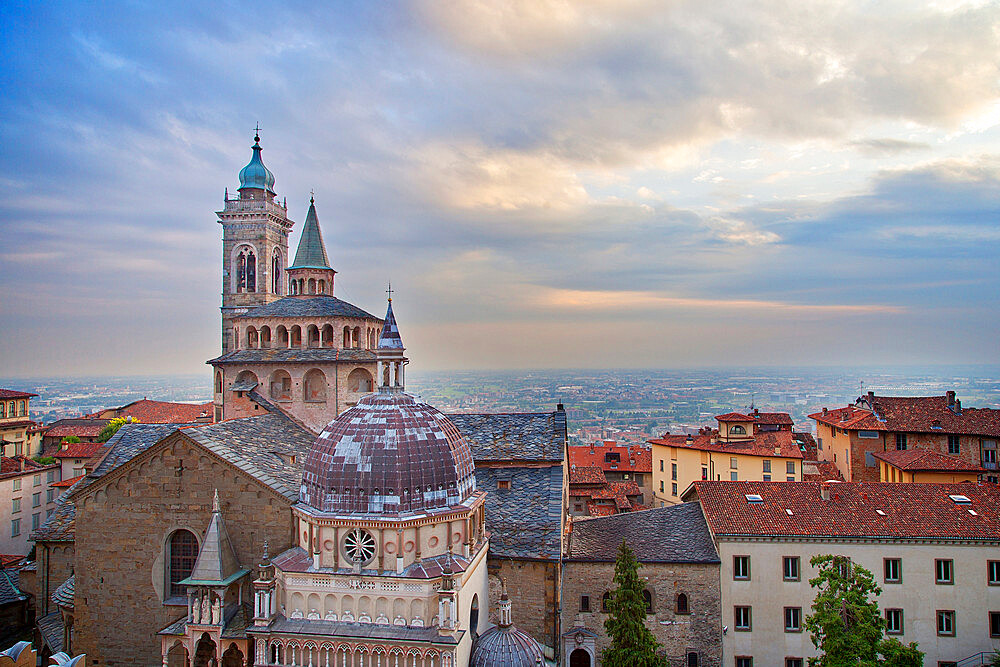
<point>315,512</point>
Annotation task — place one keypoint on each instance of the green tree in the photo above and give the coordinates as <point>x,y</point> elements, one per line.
<point>846,626</point>
<point>112,427</point>
<point>632,644</point>
<point>71,439</point>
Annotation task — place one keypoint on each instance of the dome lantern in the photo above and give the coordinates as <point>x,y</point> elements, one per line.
<point>255,176</point>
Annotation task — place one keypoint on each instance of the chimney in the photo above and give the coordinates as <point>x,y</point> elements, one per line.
<point>560,407</point>
<point>958,406</point>
<point>756,412</point>
<point>825,411</point>
<point>871,396</point>
<point>824,491</point>
<point>689,439</point>
<point>951,398</point>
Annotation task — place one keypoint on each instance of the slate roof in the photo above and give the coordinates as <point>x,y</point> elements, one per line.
<point>311,252</point>
<point>128,442</point>
<point>759,444</point>
<point>524,436</point>
<point>855,510</point>
<point>526,519</point>
<point>389,339</point>
<point>11,393</point>
<point>51,628</point>
<point>672,534</point>
<point>294,354</point>
<point>320,305</point>
<point>925,460</point>
<point>10,590</point>
<point>60,525</point>
<point>256,446</point>
<point>297,560</point>
<point>64,594</point>
<point>922,414</point>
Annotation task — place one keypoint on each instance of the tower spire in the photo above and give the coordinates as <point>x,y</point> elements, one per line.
<point>390,352</point>
<point>311,274</point>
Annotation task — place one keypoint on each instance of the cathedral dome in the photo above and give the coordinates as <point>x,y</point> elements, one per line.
<point>389,454</point>
<point>255,174</point>
<point>502,646</point>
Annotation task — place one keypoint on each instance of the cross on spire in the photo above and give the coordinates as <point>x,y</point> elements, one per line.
<point>256,132</point>
<point>312,197</point>
<point>389,291</point>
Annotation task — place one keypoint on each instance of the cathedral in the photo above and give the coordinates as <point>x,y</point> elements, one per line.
<point>326,517</point>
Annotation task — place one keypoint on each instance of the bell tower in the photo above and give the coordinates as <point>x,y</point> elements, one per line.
<point>255,228</point>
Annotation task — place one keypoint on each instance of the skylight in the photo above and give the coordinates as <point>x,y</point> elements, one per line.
<point>788,512</point>
<point>880,512</point>
<point>973,513</point>
<point>960,500</point>
<point>754,498</point>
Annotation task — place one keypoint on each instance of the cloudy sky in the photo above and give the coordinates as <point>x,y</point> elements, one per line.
<point>546,183</point>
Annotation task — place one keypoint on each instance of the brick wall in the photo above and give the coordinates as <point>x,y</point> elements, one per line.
<point>122,526</point>
<point>533,590</point>
<point>700,630</point>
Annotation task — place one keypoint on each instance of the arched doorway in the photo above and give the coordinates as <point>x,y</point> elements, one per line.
<point>579,658</point>
<point>233,657</point>
<point>204,653</point>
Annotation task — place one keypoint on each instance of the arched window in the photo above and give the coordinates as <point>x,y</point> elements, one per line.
<point>682,604</point>
<point>276,273</point>
<point>312,336</point>
<point>328,335</point>
<point>22,411</point>
<point>251,337</point>
<point>312,285</point>
<point>251,272</point>
<point>281,336</point>
<point>241,272</point>
<point>183,546</point>
<point>356,337</point>
<point>3,410</point>
<point>296,336</point>
<point>314,386</point>
<point>359,380</point>
<point>322,287</point>
<point>474,616</point>
<point>265,336</point>
<point>281,386</point>
<point>606,602</point>
<point>347,337</point>
<point>647,599</point>
<point>737,430</point>
<point>218,382</point>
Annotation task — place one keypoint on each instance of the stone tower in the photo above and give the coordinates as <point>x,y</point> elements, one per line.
<point>255,228</point>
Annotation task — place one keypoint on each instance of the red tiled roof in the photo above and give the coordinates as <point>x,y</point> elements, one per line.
<point>761,444</point>
<point>734,417</point>
<point>9,560</point>
<point>81,428</point>
<point>922,414</point>
<point>12,464</point>
<point>66,483</point>
<point>924,459</point>
<point>797,509</point>
<point>78,450</point>
<point>586,475</point>
<point>596,509</point>
<point>10,393</point>
<point>632,458</point>
<point>9,425</point>
<point>825,470</point>
<point>163,412</point>
<point>773,418</point>
<point>618,492</point>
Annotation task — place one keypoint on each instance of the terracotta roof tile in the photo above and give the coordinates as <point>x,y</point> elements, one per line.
<point>855,509</point>
<point>164,412</point>
<point>922,414</point>
<point>631,458</point>
<point>82,428</point>
<point>760,444</point>
<point>66,483</point>
<point>734,417</point>
<point>78,450</point>
<point>586,475</point>
<point>11,393</point>
<point>923,459</point>
<point>773,418</point>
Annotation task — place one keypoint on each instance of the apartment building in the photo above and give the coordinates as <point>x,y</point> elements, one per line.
<point>19,436</point>
<point>741,448</point>
<point>26,498</point>
<point>934,550</point>
<point>850,436</point>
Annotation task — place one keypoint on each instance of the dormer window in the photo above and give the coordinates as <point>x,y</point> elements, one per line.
<point>612,456</point>
<point>736,429</point>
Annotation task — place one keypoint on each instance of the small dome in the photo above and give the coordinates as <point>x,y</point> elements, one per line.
<point>389,454</point>
<point>506,646</point>
<point>255,174</point>
<point>64,594</point>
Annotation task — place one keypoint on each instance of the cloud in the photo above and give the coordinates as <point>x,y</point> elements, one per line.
<point>886,147</point>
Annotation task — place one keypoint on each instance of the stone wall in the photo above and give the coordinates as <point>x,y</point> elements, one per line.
<point>123,525</point>
<point>533,588</point>
<point>700,630</point>
<point>54,563</point>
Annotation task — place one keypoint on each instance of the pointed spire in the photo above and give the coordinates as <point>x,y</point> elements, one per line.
<point>311,252</point>
<point>217,560</point>
<point>390,339</point>
<point>505,612</point>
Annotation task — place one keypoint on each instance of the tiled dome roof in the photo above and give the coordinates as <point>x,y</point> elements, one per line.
<point>506,646</point>
<point>389,454</point>
<point>64,594</point>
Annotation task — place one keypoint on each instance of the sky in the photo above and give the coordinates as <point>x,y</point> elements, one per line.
<point>546,183</point>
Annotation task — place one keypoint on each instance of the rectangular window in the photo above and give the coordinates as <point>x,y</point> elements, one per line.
<point>793,662</point>
<point>584,603</point>
<point>790,568</point>
<point>732,462</point>
<point>893,570</point>
<point>946,623</point>
<point>741,567</point>
<point>900,441</point>
<point>17,484</point>
<point>793,619</point>
<point>767,465</point>
<point>744,661</point>
<point>993,572</point>
<point>704,472</point>
<point>50,495</point>
<point>868,434</point>
<point>661,486</point>
<point>36,499</point>
<point>953,444</point>
<point>661,465</point>
<point>673,489</point>
<point>944,572</point>
<point>789,467</point>
<point>673,471</point>
<point>15,505</point>
<point>894,621</point>
<point>734,476</point>
<point>15,527</point>
<point>37,480</point>
<point>503,484</point>
<point>767,478</point>
<point>819,444</point>
<point>50,476</point>
<point>36,520</point>
<point>741,619</point>
<point>995,624</point>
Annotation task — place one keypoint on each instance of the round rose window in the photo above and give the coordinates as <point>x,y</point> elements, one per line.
<point>359,545</point>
